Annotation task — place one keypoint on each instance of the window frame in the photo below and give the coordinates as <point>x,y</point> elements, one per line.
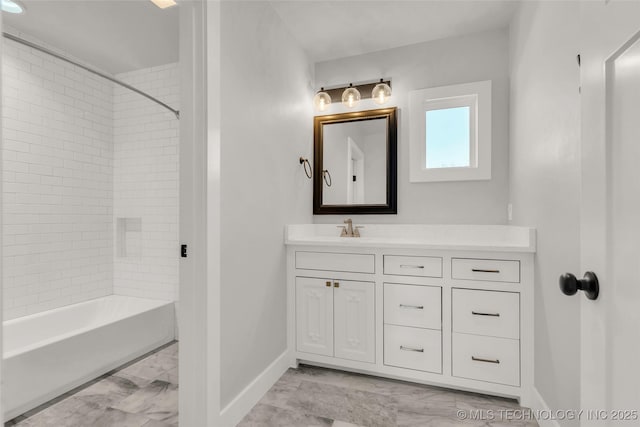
<point>477,96</point>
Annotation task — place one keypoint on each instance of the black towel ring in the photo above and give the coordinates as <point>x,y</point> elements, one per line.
<point>307,167</point>
<point>325,174</point>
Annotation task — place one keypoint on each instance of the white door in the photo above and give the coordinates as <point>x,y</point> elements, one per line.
<point>610,211</point>
<point>354,305</point>
<point>314,315</point>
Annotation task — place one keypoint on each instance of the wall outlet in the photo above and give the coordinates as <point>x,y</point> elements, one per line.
<point>510,212</point>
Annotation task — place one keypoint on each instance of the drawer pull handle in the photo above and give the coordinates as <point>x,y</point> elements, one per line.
<point>482,270</point>
<point>417,350</point>
<point>480,359</point>
<point>416,307</point>
<point>411,266</point>
<point>477,313</point>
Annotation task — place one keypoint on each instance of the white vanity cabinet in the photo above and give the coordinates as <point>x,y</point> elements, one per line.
<point>335,318</point>
<point>450,306</point>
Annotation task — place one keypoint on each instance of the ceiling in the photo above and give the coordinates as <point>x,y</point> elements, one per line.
<point>336,29</point>
<point>124,35</point>
<point>112,35</point>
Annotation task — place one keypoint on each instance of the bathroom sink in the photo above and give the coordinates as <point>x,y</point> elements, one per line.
<point>459,237</point>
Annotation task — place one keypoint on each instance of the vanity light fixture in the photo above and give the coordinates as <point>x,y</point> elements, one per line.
<point>322,100</point>
<point>12,6</point>
<point>350,96</point>
<point>381,93</point>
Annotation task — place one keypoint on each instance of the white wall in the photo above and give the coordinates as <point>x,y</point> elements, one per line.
<point>58,183</point>
<point>146,183</point>
<point>265,127</point>
<point>545,182</point>
<point>449,61</point>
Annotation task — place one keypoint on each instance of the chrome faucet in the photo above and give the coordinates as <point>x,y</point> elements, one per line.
<point>349,230</point>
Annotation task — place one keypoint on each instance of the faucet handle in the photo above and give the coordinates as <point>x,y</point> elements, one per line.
<point>356,230</point>
<point>343,233</point>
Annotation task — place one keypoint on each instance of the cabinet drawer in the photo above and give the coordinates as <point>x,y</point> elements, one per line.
<point>495,360</point>
<point>351,263</point>
<point>413,348</point>
<point>490,313</point>
<point>413,305</point>
<point>422,266</point>
<point>491,270</point>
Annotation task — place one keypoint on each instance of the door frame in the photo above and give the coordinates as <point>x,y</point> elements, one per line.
<point>199,302</point>
<point>1,227</point>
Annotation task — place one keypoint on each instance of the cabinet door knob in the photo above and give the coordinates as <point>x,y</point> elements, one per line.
<point>328,284</point>
<point>336,285</point>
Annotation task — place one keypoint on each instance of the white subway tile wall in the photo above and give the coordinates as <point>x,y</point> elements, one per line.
<point>146,183</point>
<point>58,183</point>
<point>79,153</point>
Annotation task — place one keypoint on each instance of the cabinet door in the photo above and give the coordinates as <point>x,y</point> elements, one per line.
<point>314,315</point>
<point>354,317</point>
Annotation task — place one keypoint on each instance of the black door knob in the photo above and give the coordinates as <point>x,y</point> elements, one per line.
<point>589,284</point>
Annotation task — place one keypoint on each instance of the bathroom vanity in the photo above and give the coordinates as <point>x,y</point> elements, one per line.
<point>450,306</point>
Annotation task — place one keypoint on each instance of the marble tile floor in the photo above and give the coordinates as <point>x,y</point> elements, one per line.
<point>311,396</point>
<point>142,393</point>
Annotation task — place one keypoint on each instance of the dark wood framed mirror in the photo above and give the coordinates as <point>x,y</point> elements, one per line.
<point>356,163</point>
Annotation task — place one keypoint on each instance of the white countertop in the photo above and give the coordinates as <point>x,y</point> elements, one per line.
<point>496,238</point>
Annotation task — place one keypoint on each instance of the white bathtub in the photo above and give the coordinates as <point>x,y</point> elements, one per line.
<point>50,353</point>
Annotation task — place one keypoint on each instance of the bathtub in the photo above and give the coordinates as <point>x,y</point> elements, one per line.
<point>50,353</point>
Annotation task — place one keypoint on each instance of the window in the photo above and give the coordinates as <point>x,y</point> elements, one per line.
<point>451,133</point>
<point>447,138</point>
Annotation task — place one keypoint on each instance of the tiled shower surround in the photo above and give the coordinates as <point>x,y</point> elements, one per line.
<point>146,184</point>
<point>79,152</point>
<point>58,183</point>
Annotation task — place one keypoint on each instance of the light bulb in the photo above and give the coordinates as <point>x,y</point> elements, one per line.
<point>322,100</point>
<point>350,96</point>
<point>381,93</point>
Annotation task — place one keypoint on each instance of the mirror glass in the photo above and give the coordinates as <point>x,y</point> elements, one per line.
<point>354,156</point>
<point>355,160</point>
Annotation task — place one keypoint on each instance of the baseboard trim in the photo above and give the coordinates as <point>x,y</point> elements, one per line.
<point>538,404</point>
<point>240,406</point>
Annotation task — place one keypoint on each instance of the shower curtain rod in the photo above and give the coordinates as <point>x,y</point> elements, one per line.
<point>89,69</point>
